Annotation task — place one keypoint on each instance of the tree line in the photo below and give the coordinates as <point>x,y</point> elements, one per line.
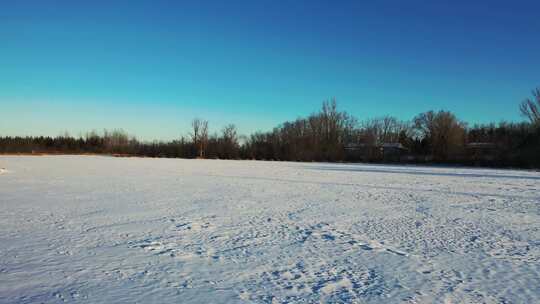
<point>327,135</point>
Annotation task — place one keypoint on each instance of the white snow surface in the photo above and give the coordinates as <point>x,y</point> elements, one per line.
<point>91,229</point>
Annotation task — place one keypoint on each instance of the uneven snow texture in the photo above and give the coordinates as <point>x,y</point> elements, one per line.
<point>85,229</point>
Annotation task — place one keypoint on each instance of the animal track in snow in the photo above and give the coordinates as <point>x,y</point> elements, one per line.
<point>348,241</point>
<point>328,282</point>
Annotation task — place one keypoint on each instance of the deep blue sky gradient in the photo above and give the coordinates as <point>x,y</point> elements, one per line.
<point>151,66</point>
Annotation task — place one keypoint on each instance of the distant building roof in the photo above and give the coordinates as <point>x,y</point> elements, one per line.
<point>393,146</point>
<point>358,146</point>
<point>480,145</point>
<point>383,146</point>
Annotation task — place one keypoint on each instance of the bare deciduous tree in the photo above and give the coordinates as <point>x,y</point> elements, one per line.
<point>530,108</point>
<point>382,130</point>
<point>230,141</point>
<point>200,135</point>
<point>443,130</point>
<point>196,125</point>
<point>204,138</point>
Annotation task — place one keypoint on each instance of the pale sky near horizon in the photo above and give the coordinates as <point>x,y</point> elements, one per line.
<point>149,67</point>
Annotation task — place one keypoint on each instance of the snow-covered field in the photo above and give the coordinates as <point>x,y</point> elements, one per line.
<point>125,230</point>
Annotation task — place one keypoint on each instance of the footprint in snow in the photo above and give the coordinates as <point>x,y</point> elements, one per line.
<point>192,226</point>
<point>376,246</point>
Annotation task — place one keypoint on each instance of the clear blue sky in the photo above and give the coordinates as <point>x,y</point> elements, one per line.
<point>151,66</point>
